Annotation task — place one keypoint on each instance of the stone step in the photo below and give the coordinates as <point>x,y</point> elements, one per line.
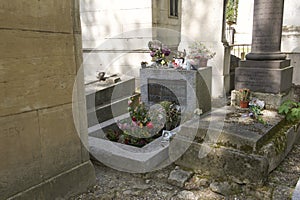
<point>108,111</point>
<point>102,93</point>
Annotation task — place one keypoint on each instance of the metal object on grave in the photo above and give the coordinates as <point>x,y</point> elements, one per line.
<point>114,78</point>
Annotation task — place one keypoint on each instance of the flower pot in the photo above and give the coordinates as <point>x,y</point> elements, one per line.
<point>244,104</point>
<point>198,62</point>
<point>203,62</point>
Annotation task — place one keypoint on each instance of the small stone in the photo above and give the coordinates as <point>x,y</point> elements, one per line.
<point>196,182</point>
<point>186,195</point>
<point>178,177</point>
<point>147,181</point>
<point>127,192</point>
<point>162,175</point>
<point>225,188</point>
<point>141,187</point>
<point>169,187</point>
<point>203,182</point>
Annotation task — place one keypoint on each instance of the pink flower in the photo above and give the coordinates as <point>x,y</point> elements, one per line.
<point>166,51</point>
<point>152,53</point>
<point>149,125</point>
<point>129,102</point>
<point>134,123</point>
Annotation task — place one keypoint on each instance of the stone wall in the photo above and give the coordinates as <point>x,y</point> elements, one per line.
<point>116,34</point>
<point>202,21</point>
<point>295,62</point>
<point>162,19</point>
<point>42,155</point>
<point>113,32</point>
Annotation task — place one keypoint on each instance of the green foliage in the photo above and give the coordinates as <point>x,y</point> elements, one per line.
<point>291,110</point>
<point>143,126</point>
<point>138,111</point>
<point>256,111</point>
<point>172,115</point>
<point>232,11</point>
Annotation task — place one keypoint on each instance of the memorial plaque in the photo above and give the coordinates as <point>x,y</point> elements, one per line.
<point>189,88</point>
<point>264,80</point>
<point>167,90</point>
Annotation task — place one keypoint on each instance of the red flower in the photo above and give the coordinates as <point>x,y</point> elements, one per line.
<point>133,119</point>
<point>149,125</point>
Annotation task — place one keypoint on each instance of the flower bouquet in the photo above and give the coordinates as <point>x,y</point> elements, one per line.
<point>141,127</point>
<point>158,52</point>
<point>199,54</point>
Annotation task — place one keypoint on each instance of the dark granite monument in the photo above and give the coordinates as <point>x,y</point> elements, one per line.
<point>266,68</point>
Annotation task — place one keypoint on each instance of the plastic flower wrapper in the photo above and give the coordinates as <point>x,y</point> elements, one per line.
<point>257,102</point>
<point>198,50</point>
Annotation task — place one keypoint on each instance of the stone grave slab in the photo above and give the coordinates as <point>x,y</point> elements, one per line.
<point>108,100</point>
<point>190,88</point>
<point>230,146</point>
<point>102,93</point>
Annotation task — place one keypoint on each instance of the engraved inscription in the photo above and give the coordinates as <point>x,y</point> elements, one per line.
<point>255,80</point>
<point>167,90</point>
<point>267,25</point>
<point>11,131</point>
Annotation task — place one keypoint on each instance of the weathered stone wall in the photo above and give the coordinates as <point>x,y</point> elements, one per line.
<point>162,19</point>
<point>202,21</point>
<point>42,156</point>
<point>113,31</point>
<point>116,34</point>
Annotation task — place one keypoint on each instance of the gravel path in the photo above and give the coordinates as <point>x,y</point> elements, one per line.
<point>113,184</point>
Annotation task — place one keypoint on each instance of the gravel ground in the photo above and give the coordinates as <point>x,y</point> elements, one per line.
<point>113,184</point>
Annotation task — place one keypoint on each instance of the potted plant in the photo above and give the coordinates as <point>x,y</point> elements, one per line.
<point>244,97</point>
<point>199,54</point>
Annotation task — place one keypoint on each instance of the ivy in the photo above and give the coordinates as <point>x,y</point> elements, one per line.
<point>232,11</point>
<point>291,110</point>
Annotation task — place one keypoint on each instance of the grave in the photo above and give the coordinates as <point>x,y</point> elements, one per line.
<point>106,104</point>
<point>125,157</point>
<point>190,88</point>
<point>181,86</point>
<point>231,147</point>
<point>108,100</point>
<point>266,69</point>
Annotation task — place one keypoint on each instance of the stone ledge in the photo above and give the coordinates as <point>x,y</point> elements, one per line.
<point>272,101</point>
<point>62,186</point>
<point>128,158</point>
<point>230,162</point>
